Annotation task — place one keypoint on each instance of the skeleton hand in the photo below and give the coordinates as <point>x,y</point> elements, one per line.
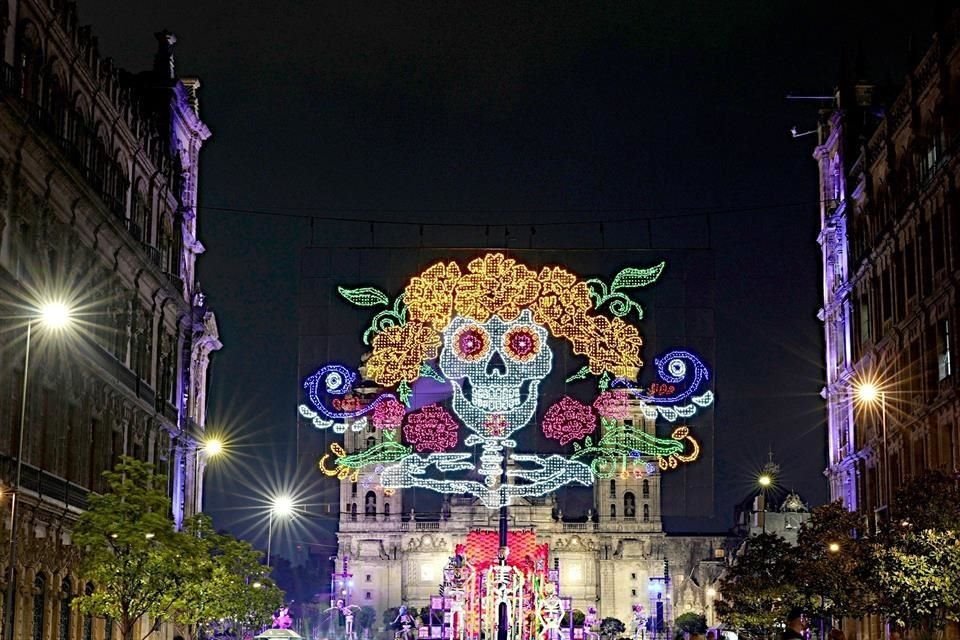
<point>554,472</point>
<point>407,469</point>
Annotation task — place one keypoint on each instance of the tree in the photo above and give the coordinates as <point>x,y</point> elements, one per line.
<point>578,618</point>
<point>138,562</point>
<point>930,500</point>
<point>692,623</point>
<point>611,627</point>
<point>833,564</point>
<point>366,616</point>
<point>233,584</point>
<point>758,590</point>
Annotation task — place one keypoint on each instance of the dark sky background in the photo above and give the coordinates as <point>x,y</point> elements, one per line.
<point>521,113</point>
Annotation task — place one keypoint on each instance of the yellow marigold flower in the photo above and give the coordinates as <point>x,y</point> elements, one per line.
<point>399,351</point>
<point>429,296</point>
<point>610,345</point>
<point>563,302</point>
<point>495,285</point>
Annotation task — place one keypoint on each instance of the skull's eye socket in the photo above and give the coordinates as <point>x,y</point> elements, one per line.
<point>471,342</point>
<point>521,344</point>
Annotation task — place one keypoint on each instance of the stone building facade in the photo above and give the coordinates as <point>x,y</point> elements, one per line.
<point>890,234</point>
<point>619,557</point>
<point>98,195</point>
<point>890,238</point>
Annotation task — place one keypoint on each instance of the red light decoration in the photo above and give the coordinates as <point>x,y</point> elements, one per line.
<point>568,420</point>
<point>388,414</point>
<point>431,429</point>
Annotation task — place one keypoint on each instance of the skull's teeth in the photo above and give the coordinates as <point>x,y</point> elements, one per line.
<point>495,398</point>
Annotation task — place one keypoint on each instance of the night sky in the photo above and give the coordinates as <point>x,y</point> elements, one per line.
<point>518,113</point>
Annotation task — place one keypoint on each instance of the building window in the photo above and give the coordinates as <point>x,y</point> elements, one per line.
<point>87,618</point>
<point>944,365</point>
<point>353,489</point>
<point>66,600</point>
<point>613,512</point>
<point>368,578</point>
<point>633,576</point>
<point>629,505</point>
<point>386,509</point>
<point>633,592</point>
<point>371,442</point>
<point>646,513</point>
<point>368,596</point>
<point>646,488</point>
<point>353,512</point>
<point>39,605</point>
<point>613,488</point>
<point>370,505</point>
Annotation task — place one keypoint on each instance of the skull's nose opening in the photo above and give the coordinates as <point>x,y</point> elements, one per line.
<point>496,363</point>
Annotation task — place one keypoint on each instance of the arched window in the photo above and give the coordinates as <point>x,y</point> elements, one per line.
<point>371,441</point>
<point>646,513</point>
<point>370,505</point>
<point>613,512</point>
<point>613,488</point>
<point>353,489</point>
<point>39,604</point>
<point>66,602</point>
<point>646,488</point>
<point>353,512</point>
<point>629,505</point>
<point>386,509</point>
<point>87,618</point>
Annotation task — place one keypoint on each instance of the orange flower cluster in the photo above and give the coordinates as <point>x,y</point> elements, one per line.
<point>399,351</point>
<point>497,285</point>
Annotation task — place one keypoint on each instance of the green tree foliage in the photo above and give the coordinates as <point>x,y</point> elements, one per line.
<point>366,616</point>
<point>690,622</point>
<point>833,564</point>
<point>578,618</point>
<point>140,565</point>
<point>929,501</point>
<point>611,627</point>
<point>233,585</point>
<point>758,590</point>
<point>920,579</point>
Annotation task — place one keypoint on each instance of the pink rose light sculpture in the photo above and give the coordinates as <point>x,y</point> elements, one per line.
<point>568,420</point>
<point>388,414</point>
<point>431,429</point>
<point>614,405</point>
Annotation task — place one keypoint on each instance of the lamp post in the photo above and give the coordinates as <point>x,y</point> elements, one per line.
<point>870,393</point>
<point>54,315</point>
<point>765,480</point>
<point>211,448</point>
<point>280,506</point>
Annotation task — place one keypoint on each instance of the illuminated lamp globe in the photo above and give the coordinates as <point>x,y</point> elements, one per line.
<point>765,480</point>
<point>213,447</point>
<point>55,315</point>
<point>282,506</point>
<point>867,392</point>
<point>834,547</point>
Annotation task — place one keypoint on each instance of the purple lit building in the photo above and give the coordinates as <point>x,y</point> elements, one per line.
<point>98,193</point>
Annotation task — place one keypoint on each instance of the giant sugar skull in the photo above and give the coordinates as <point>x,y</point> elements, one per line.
<point>495,368</point>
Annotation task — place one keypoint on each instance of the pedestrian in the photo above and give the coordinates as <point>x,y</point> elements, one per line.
<point>796,625</point>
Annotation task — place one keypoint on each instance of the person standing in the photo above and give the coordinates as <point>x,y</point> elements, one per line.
<point>796,625</point>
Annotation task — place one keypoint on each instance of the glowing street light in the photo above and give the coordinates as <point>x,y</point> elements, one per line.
<point>54,315</point>
<point>765,480</point>
<point>210,448</point>
<point>833,547</point>
<point>282,507</point>
<point>869,393</point>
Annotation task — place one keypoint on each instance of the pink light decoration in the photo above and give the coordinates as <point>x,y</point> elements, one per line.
<point>613,404</point>
<point>568,420</point>
<point>431,429</point>
<point>388,414</point>
<point>495,425</point>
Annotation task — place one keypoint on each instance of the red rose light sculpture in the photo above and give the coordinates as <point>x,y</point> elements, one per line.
<point>388,414</point>
<point>614,405</point>
<point>568,420</point>
<point>431,429</point>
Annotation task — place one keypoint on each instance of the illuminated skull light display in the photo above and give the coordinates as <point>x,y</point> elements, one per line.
<point>486,333</point>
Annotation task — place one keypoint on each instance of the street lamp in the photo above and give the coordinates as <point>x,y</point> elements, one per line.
<point>281,506</point>
<point>833,547</point>
<point>870,394</point>
<point>765,481</point>
<point>52,315</point>
<point>211,448</point>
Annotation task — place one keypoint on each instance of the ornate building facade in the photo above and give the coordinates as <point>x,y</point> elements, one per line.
<point>890,235</point>
<point>98,195</point>
<point>890,238</point>
<point>619,557</point>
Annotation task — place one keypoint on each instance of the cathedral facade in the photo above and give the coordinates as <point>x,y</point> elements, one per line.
<point>98,195</point>
<point>619,557</point>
